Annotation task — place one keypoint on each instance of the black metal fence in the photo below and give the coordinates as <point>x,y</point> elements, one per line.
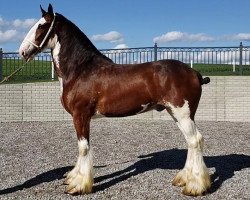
<point>208,60</point>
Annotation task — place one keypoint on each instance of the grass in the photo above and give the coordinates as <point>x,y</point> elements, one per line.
<point>221,69</point>
<point>37,70</point>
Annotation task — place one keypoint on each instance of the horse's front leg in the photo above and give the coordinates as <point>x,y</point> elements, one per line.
<point>80,178</point>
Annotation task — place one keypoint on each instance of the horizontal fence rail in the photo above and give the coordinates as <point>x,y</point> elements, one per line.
<point>208,60</point>
<point>130,55</point>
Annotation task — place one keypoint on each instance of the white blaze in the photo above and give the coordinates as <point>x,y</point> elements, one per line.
<point>26,46</point>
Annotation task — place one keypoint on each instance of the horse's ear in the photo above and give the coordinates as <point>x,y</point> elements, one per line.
<point>50,9</point>
<point>42,10</point>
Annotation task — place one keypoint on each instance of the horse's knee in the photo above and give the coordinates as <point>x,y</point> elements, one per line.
<point>83,147</point>
<point>85,156</point>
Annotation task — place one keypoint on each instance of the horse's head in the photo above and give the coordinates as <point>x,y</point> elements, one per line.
<point>41,36</point>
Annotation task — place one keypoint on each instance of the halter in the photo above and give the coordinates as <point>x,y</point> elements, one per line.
<point>46,36</point>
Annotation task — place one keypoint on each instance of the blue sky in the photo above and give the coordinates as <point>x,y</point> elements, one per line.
<point>136,23</point>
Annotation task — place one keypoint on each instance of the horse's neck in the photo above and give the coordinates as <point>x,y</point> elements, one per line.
<point>70,59</point>
<point>74,52</point>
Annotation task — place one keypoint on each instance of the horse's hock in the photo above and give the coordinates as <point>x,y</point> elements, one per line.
<point>225,98</point>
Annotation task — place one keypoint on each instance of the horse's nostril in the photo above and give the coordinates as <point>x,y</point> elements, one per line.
<point>23,54</point>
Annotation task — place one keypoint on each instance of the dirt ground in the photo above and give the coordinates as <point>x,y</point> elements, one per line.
<point>133,159</point>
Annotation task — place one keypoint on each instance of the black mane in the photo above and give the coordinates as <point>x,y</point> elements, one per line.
<point>75,45</point>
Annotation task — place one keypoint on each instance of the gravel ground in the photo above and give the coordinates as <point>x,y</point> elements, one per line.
<point>133,159</point>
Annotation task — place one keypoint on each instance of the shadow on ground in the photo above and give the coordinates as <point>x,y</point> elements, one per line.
<point>225,166</point>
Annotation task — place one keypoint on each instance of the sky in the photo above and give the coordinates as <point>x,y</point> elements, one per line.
<point>136,23</point>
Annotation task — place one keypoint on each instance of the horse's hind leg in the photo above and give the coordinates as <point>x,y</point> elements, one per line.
<point>194,176</point>
<point>80,178</point>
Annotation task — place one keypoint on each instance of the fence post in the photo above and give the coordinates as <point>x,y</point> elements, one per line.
<point>52,71</point>
<point>155,52</point>
<point>240,63</point>
<point>1,64</point>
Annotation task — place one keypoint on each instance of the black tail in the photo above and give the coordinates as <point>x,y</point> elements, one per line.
<point>202,80</point>
<point>205,80</point>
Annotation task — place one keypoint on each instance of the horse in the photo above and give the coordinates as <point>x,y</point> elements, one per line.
<point>93,85</point>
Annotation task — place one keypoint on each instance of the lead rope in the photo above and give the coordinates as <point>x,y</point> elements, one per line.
<point>13,73</point>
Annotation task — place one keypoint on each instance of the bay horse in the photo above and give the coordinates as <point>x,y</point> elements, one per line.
<point>92,84</point>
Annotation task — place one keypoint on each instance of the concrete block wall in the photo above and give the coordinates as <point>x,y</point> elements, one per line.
<point>223,99</point>
<point>31,102</point>
<point>11,101</point>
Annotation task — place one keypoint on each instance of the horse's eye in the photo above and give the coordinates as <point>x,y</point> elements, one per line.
<point>39,26</point>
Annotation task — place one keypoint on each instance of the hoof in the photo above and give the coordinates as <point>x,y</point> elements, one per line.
<point>194,185</point>
<point>197,186</point>
<point>79,185</point>
<point>195,189</point>
<point>71,192</point>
